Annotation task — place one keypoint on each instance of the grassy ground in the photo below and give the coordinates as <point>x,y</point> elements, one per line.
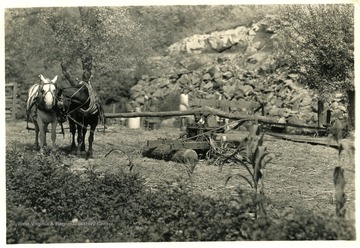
<point>300,176</point>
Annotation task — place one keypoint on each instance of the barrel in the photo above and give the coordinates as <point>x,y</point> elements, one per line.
<point>135,123</point>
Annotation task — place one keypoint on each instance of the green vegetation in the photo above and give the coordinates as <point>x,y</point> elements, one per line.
<point>317,41</point>
<point>47,203</point>
<point>116,43</point>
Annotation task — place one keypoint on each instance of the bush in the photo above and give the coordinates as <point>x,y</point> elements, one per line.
<point>47,203</point>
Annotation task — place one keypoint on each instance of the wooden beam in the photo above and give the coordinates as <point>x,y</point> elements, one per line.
<point>195,145</point>
<point>208,111</point>
<point>203,110</point>
<point>156,143</point>
<point>304,139</point>
<point>241,104</point>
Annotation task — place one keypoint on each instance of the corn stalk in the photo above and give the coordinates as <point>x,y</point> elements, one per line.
<point>346,146</point>
<point>254,160</point>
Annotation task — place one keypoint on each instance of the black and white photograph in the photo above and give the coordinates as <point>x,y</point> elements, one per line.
<point>187,122</point>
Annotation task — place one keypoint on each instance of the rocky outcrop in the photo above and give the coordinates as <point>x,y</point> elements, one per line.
<point>248,74</point>
<point>243,39</point>
<point>218,41</point>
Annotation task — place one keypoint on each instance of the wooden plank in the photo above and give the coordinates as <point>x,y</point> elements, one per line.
<point>304,139</point>
<point>179,144</point>
<point>9,85</point>
<point>241,104</point>
<point>203,110</point>
<point>276,124</point>
<point>9,102</point>
<point>204,102</point>
<point>13,117</point>
<point>208,110</point>
<point>195,145</point>
<point>156,143</point>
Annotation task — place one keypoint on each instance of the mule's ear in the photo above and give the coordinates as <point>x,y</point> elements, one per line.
<point>42,78</point>
<point>54,79</point>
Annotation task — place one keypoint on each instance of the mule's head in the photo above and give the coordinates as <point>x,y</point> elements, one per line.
<point>48,91</point>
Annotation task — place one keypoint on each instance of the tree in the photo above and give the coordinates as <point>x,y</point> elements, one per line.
<point>102,39</point>
<point>318,43</point>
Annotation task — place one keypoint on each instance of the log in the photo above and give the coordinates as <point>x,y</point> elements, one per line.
<point>165,152</point>
<point>185,156</point>
<point>162,152</point>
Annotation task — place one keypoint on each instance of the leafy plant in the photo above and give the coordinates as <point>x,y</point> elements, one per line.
<point>254,160</point>
<point>317,41</point>
<point>130,157</point>
<point>91,206</point>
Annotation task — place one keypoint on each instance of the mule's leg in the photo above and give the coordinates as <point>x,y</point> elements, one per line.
<point>83,138</point>
<point>53,133</point>
<point>80,138</point>
<point>36,134</point>
<point>42,133</point>
<point>73,132</point>
<point>93,125</point>
<point>45,131</point>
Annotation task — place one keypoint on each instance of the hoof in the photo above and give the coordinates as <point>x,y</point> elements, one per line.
<point>42,152</point>
<point>73,149</point>
<point>89,155</point>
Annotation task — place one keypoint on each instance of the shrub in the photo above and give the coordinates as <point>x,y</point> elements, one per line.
<point>91,206</point>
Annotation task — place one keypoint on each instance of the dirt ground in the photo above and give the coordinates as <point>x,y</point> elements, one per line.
<point>299,177</point>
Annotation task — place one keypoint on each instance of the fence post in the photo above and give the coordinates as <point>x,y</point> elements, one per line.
<point>14,101</point>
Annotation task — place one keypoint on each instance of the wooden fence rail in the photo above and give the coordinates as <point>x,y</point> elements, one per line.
<point>11,101</point>
<point>208,110</point>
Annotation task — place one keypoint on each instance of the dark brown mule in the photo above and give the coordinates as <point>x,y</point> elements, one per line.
<point>81,107</point>
<point>42,109</point>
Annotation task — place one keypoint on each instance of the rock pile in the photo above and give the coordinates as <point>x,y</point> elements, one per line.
<point>242,75</point>
<point>280,91</point>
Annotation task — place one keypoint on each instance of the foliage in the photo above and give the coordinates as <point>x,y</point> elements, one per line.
<point>318,42</point>
<point>68,36</point>
<point>252,155</point>
<point>120,40</point>
<point>47,202</point>
<point>170,24</point>
<point>109,34</point>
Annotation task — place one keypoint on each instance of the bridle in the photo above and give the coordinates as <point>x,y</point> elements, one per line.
<point>50,91</point>
<point>43,93</point>
<point>68,112</point>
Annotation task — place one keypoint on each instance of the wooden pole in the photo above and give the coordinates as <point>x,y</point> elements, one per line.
<point>203,110</point>
<point>209,111</point>
<point>340,198</point>
<point>13,110</point>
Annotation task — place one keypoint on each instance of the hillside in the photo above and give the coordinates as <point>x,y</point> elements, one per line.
<point>238,64</point>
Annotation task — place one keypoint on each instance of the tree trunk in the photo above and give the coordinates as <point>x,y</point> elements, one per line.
<point>87,66</point>
<point>351,108</point>
<point>64,67</point>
